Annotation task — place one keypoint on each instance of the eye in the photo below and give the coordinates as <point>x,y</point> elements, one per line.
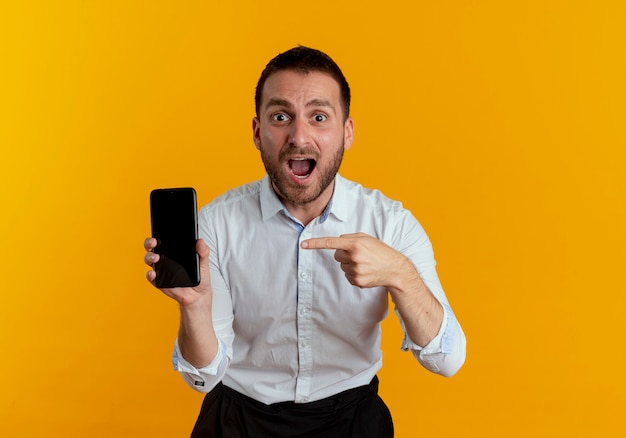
<point>279,117</point>
<point>319,117</point>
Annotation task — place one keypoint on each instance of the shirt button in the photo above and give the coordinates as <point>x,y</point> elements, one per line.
<point>304,275</point>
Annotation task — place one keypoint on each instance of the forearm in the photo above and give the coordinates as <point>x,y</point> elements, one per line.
<point>432,332</point>
<point>196,336</point>
<point>445,354</point>
<point>421,312</point>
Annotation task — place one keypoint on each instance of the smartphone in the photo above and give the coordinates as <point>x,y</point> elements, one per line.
<point>174,220</point>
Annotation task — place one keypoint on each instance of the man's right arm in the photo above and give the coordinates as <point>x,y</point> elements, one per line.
<point>196,337</point>
<point>197,342</point>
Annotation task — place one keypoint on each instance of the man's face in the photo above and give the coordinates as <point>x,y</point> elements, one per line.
<point>301,133</point>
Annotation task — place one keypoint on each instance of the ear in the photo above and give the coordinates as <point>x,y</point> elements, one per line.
<point>256,132</point>
<point>348,133</point>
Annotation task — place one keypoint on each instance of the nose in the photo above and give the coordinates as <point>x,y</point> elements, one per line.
<point>299,135</point>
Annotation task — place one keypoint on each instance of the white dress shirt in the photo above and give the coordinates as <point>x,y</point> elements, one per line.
<point>290,326</point>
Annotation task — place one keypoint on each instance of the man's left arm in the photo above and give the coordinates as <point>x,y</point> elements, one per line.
<point>368,262</point>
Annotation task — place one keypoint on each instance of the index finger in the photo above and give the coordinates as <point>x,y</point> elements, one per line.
<point>326,243</point>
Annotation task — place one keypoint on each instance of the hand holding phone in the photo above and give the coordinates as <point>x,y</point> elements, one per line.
<point>174,220</point>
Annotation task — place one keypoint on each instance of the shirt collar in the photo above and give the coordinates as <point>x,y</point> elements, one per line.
<point>270,204</point>
<point>338,206</point>
<point>339,201</point>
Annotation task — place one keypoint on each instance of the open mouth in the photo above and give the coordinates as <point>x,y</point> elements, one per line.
<point>301,167</point>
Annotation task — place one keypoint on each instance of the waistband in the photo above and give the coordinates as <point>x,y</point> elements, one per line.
<point>332,403</point>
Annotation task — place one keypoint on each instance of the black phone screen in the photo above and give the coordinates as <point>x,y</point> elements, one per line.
<point>174,220</point>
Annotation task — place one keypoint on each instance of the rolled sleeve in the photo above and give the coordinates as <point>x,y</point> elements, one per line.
<point>445,353</point>
<point>201,379</point>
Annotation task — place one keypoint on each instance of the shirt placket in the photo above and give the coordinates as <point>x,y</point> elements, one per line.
<point>304,320</point>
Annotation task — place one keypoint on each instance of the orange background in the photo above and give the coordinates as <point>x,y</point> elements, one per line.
<point>499,124</point>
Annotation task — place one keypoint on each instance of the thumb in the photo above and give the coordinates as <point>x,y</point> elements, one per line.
<point>203,251</point>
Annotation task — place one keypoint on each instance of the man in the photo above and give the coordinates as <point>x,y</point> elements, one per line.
<point>283,331</point>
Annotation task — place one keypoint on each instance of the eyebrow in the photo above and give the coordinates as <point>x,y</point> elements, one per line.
<point>276,101</point>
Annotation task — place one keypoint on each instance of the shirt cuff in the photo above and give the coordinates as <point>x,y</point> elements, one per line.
<point>441,343</point>
<point>212,369</point>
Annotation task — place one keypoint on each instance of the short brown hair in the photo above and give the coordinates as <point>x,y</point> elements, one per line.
<point>305,60</point>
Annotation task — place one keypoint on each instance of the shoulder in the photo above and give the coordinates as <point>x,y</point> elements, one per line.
<point>374,212</point>
<point>238,198</point>
<point>366,197</point>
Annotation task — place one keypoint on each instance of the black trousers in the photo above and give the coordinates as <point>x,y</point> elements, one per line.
<point>358,412</point>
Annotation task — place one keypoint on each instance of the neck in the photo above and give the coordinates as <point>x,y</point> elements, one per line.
<point>308,211</point>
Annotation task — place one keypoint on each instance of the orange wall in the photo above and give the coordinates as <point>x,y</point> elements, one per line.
<point>499,124</point>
